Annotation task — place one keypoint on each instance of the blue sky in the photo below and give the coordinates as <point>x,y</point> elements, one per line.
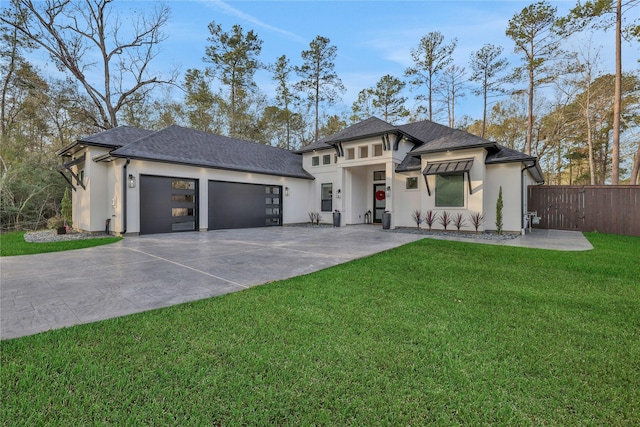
<point>373,38</point>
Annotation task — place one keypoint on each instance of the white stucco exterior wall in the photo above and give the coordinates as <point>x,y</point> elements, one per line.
<point>473,202</point>
<point>507,176</point>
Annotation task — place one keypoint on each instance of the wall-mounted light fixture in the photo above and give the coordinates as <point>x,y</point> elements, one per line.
<point>287,191</point>
<point>339,194</point>
<point>132,181</point>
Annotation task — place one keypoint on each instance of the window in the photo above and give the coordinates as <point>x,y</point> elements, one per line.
<point>450,190</point>
<point>351,153</point>
<point>81,175</point>
<point>378,176</point>
<point>326,195</point>
<point>411,183</point>
<point>326,159</point>
<point>377,150</point>
<point>315,161</point>
<point>364,152</point>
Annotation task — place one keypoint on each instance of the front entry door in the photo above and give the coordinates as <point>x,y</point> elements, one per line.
<point>379,202</point>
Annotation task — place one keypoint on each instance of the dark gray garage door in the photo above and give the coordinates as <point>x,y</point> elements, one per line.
<point>236,205</point>
<point>167,204</point>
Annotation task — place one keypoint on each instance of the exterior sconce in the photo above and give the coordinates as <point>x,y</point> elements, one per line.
<point>287,191</point>
<point>339,194</point>
<point>132,181</point>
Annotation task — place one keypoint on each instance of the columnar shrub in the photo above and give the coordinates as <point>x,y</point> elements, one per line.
<point>65,208</point>
<point>499,205</point>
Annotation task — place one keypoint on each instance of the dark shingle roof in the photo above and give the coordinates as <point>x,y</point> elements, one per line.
<point>176,144</point>
<point>409,163</point>
<point>316,146</point>
<point>452,139</point>
<point>117,137</point>
<point>110,138</point>
<point>369,127</point>
<point>506,155</point>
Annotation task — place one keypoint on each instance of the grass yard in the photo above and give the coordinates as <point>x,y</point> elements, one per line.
<point>12,244</point>
<point>434,332</point>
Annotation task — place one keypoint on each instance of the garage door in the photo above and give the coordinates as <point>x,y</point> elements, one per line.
<point>237,205</point>
<point>167,204</point>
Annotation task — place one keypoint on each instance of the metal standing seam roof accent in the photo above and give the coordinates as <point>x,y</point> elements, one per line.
<point>448,167</point>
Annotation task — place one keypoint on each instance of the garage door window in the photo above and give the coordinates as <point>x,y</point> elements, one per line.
<point>179,184</point>
<point>185,198</point>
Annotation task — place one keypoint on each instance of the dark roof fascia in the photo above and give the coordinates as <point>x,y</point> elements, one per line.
<point>309,148</point>
<point>369,135</point>
<point>306,174</point>
<point>422,150</point>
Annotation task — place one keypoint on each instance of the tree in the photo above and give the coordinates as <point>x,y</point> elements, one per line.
<point>234,56</point>
<point>487,67</point>
<point>318,77</point>
<point>285,97</point>
<point>70,29</point>
<point>585,64</point>
<point>387,98</point>
<point>430,57</point>
<point>533,31</point>
<point>333,125</point>
<point>602,14</point>
<point>452,86</point>
<point>202,105</point>
<point>362,108</point>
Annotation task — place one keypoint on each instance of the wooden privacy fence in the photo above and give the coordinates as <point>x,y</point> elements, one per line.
<point>613,209</point>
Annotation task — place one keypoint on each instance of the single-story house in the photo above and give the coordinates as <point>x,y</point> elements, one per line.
<point>137,181</point>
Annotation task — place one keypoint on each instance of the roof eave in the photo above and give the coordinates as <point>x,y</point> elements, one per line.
<point>306,174</point>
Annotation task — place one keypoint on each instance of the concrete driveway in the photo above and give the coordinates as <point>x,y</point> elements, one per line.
<point>50,291</point>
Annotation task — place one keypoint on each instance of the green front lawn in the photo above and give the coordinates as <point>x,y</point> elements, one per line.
<point>434,332</point>
<point>13,244</point>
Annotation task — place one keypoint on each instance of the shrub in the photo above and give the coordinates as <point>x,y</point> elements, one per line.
<point>417,217</point>
<point>55,222</point>
<point>458,221</point>
<point>477,219</point>
<point>445,219</point>
<point>430,218</point>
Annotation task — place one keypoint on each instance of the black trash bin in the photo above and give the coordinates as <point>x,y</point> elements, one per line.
<point>386,220</point>
<point>336,219</point>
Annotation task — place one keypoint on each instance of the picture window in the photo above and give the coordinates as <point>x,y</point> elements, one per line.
<point>450,191</point>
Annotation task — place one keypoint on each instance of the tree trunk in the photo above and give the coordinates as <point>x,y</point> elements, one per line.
<point>635,172</point>
<point>617,106</point>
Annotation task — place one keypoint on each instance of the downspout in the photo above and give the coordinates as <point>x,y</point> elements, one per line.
<point>124,196</point>
<point>523,196</point>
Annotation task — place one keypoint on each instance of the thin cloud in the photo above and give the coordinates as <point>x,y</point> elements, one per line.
<point>232,11</point>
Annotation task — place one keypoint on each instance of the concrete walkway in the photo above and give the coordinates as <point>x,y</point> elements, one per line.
<point>55,290</point>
